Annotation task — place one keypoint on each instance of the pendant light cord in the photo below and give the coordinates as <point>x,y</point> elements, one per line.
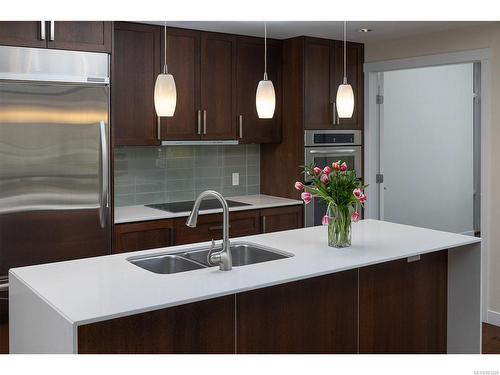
<point>345,51</point>
<point>165,71</point>
<point>265,51</point>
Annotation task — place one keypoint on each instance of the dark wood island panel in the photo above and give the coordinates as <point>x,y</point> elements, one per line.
<point>199,327</point>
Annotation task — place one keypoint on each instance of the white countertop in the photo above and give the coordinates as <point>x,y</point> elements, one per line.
<point>128,214</point>
<point>100,288</point>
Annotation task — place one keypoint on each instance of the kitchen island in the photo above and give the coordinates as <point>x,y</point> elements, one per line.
<point>398,288</point>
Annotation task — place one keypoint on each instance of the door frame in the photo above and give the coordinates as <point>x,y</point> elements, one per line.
<point>371,136</point>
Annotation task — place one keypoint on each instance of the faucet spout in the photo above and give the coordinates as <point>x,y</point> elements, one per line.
<point>223,257</point>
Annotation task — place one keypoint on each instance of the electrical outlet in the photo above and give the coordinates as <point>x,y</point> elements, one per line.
<point>236,179</point>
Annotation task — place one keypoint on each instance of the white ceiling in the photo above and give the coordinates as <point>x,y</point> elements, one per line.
<point>382,30</point>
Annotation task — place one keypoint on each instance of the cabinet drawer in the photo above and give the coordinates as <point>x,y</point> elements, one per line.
<point>143,235</point>
<point>282,218</point>
<point>210,227</point>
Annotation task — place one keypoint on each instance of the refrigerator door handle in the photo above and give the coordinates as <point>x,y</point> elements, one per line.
<point>104,191</point>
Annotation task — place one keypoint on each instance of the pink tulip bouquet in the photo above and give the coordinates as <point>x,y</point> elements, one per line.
<point>342,191</point>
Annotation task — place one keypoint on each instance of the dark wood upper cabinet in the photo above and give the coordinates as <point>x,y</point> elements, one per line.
<point>136,64</point>
<point>249,71</point>
<point>93,36</point>
<point>218,70</point>
<point>4,323</point>
<point>403,306</point>
<point>23,33</point>
<point>354,67</point>
<point>183,61</point>
<point>319,95</point>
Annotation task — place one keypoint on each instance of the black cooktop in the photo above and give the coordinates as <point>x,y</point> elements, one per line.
<point>206,204</point>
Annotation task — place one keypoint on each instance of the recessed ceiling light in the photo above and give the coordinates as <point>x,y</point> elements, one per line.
<point>364,30</point>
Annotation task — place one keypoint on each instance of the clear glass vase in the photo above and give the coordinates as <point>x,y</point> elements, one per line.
<point>339,228</point>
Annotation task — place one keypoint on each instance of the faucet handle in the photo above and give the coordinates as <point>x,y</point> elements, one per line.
<point>209,255</point>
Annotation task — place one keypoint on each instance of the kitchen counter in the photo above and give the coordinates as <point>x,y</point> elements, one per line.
<point>128,214</point>
<point>89,290</point>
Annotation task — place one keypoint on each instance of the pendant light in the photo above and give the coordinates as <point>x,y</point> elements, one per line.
<point>265,98</point>
<point>165,91</point>
<point>345,95</point>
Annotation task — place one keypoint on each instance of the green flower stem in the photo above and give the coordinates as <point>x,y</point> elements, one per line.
<point>339,229</point>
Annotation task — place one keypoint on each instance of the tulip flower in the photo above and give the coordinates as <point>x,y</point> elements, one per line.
<point>317,171</point>
<point>326,220</point>
<point>343,167</point>
<point>325,179</point>
<point>355,216</point>
<point>336,165</point>
<point>299,186</point>
<point>327,170</point>
<point>362,198</point>
<point>357,192</point>
<point>306,197</point>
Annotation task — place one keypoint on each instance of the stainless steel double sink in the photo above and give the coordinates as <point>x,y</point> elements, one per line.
<point>243,253</point>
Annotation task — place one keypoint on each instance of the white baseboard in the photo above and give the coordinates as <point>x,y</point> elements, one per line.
<point>494,318</point>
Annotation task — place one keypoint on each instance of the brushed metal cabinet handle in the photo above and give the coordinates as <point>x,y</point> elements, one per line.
<point>42,30</point>
<point>158,128</point>
<point>52,30</point>
<point>199,122</point>
<point>241,126</point>
<point>334,114</point>
<point>204,121</point>
<point>263,224</point>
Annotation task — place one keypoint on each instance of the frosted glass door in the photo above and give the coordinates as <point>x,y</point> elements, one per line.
<point>427,147</point>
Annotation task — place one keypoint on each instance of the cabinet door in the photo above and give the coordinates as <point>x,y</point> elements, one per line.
<point>183,61</point>
<point>218,86</point>
<point>92,36</point>
<point>318,84</point>
<point>243,223</point>
<point>199,327</point>
<point>4,323</point>
<point>354,64</point>
<point>402,306</point>
<point>143,235</point>
<point>23,33</point>
<point>249,71</point>
<point>282,218</point>
<point>317,315</point>
<point>136,64</point>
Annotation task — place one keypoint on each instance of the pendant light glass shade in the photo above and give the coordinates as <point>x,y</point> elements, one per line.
<point>165,95</point>
<point>345,94</point>
<point>345,101</point>
<point>265,98</point>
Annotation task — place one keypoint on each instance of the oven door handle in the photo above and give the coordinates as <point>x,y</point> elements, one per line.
<point>343,151</point>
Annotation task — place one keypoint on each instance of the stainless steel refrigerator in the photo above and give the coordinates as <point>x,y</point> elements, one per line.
<point>54,156</point>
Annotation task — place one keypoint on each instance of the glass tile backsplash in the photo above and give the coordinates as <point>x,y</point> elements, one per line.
<point>145,175</point>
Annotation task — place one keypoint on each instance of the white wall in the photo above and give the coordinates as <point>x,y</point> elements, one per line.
<point>427,154</point>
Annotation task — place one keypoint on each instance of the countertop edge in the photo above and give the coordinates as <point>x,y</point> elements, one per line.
<point>156,214</point>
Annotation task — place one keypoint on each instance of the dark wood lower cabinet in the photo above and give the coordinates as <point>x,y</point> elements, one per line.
<point>403,306</point>
<point>4,323</point>
<point>393,307</point>
<point>143,235</point>
<point>200,327</point>
<point>282,218</point>
<point>317,315</point>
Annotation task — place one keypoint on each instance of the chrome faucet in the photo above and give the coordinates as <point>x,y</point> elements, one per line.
<point>222,257</point>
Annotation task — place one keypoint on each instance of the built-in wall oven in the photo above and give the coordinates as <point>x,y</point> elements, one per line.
<point>322,148</point>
